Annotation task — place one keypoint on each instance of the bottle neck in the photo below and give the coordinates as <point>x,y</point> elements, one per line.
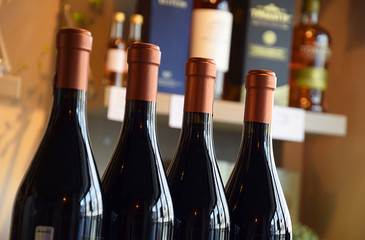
<point>197,128</point>
<point>116,30</point>
<point>69,105</point>
<point>257,136</point>
<point>310,18</point>
<point>310,11</point>
<point>135,32</point>
<point>259,105</point>
<point>140,115</point>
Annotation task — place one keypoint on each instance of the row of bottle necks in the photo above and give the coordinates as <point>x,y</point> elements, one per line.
<point>236,43</point>
<point>61,196</point>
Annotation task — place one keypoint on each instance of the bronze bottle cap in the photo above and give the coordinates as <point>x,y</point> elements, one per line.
<point>199,87</point>
<point>119,16</point>
<point>136,18</point>
<point>143,62</point>
<point>260,86</point>
<point>73,52</point>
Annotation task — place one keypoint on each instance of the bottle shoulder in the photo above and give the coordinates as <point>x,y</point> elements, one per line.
<point>136,159</point>
<point>57,169</point>
<point>193,174</point>
<point>253,190</point>
<point>224,5</point>
<point>134,183</point>
<point>117,43</point>
<point>197,190</point>
<point>193,155</point>
<point>310,32</point>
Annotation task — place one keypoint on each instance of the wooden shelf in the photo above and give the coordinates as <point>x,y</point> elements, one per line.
<point>231,114</point>
<point>289,124</point>
<point>325,124</point>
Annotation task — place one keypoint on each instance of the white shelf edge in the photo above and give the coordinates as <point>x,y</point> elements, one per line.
<point>231,114</point>
<point>326,124</point>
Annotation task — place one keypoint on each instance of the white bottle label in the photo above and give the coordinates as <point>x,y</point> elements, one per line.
<point>44,233</point>
<point>176,112</point>
<point>211,36</point>
<point>115,60</point>
<point>116,106</point>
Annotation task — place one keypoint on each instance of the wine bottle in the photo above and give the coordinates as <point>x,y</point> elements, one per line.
<point>200,205</point>
<point>256,201</point>
<point>211,28</point>
<point>115,54</point>
<point>137,199</point>
<point>60,196</point>
<point>261,39</point>
<point>135,29</point>
<point>135,33</point>
<point>309,62</point>
<point>235,75</point>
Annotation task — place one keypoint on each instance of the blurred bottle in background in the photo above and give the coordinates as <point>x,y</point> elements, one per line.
<point>167,24</point>
<point>211,28</point>
<point>309,63</point>
<point>115,52</point>
<point>135,32</point>
<point>261,39</point>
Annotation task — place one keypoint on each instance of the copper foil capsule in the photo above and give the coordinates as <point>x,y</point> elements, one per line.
<point>73,53</point>
<point>199,87</point>
<point>260,86</point>
<point>143,62</point>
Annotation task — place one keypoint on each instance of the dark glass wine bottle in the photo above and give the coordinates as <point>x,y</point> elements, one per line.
<point>60,196</point>
<point>235,75</point>
<point>256,201</point>
<point>138,203</point>
<point>200,205</point>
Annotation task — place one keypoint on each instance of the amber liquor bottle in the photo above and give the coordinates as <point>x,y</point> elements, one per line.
<point>309,63</point>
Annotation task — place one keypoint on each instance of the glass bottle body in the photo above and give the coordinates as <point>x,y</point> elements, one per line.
<point>309,64</point>
<point>60,196</point>
<point>115,55</point>
<point>257,204</point>
<point>234,78</point>
<point>135,34</point>
<point>201,210</point>
<point>211,29</point>
<point>138,204</point>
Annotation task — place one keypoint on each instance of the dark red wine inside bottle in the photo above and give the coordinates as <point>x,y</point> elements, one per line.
<point>60,196</point>
<point>137,199</point>
<point>201,210</point>
<point>256,201</point>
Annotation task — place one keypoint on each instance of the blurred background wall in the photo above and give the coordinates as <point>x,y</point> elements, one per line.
<point>29,31</point>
